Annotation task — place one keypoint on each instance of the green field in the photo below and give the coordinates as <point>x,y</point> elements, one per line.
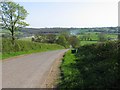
<point>114,36</point>
<point>82,43</point>
<point>94,37</point>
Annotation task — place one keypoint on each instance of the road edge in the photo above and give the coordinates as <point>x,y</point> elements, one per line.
<point>53,75</point>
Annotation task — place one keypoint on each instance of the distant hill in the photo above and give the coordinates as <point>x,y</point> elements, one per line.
<point>34,31</point>
<point>44,30</point>
<point>26,32</point>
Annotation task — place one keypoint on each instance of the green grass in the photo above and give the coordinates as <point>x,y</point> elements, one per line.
<point>114,36</point>
<point>26,39</point>
<point>67,60</point>
<point>93,35</point>
<point>68,72</point>
<point>82,43</point>
<point>13,54</point>
<point>0,56</point>
<point>25,47</point>
<point>94,38</point>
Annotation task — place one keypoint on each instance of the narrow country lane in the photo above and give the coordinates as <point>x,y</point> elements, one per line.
<point>28,71</point>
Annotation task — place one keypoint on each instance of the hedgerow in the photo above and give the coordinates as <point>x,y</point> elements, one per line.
<point>97,67</point>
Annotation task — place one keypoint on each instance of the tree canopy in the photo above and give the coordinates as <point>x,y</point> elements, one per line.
<point>13,16</point>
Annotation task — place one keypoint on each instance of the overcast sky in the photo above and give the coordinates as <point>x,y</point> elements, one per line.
<point>77,13</point>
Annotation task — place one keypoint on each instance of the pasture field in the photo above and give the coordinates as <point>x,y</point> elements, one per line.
<point>114,36</point>
<point>82,43</point>
<point>94,37</point>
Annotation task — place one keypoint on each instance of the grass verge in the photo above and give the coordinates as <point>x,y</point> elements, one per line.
<point>68,70</point>
<point>25,47</point>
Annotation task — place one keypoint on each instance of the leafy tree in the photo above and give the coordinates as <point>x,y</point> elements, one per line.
<point>40,38</point>
<point>62,41</point>
<point>102,37</point>
<point>74,41</point>
<point>66,35</point>
<point>12,17</point>
<point>51,38</point>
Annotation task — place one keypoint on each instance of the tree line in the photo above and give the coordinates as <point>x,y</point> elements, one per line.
<point>63,39</point>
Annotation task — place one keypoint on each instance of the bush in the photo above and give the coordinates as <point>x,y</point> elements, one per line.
<point>98,65</point>
<point>62,41</point>
<point>74,41</point>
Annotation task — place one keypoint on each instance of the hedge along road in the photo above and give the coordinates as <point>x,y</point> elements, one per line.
<point>28,71</point>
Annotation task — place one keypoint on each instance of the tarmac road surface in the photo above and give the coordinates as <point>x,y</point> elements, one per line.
<point>28,71</point>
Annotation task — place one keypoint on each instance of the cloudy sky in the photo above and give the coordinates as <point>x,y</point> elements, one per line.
<point>71,13</point>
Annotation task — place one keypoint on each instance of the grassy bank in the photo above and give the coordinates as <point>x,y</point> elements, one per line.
<point>25,47</point>
<point>93,66</point>
<point>68,72</point>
